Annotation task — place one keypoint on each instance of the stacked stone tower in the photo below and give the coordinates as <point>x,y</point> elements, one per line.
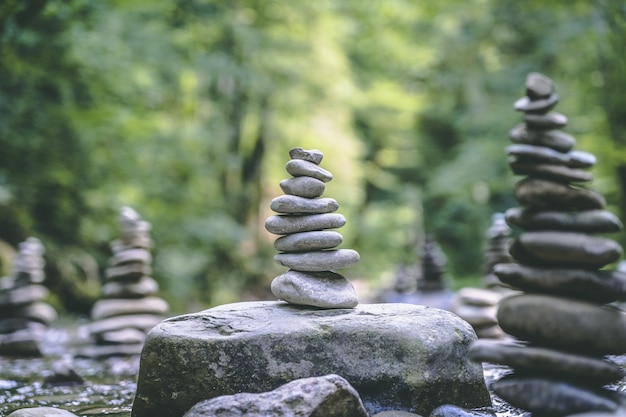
<point>129,307</point>
<point>24,314</point>
<point>497,252</point>
<point>566,327</point>
<point>307,243</point>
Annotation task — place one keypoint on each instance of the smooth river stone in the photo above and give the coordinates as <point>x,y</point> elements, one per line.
<point>566,248</point>
<point>302,168</point>
<point>110,307</point>
<point>545,194</point>
<point>555,139</point>
<point>319,261</point>
<point>588,221</point>
<point>538,86</point>
<point>572,159</point>
<point>131,255</point>
<point>127,272</point>
<point>308,241</point>
<point>284,225</point>
<point>306,187</point>
<point>543,361</point>
<point>311,155</point>
<point>548,397</point>
<point>135,321</point>
<point>527,105</point>
<point>38,311</point>
<point>291,204</point>
<point>552,120</point>
<point>23,295</point>
<point>564,323</point>
<point>118,289</point>
<point>549,171</point>
<point>319,289</point>
<point>590,285</point>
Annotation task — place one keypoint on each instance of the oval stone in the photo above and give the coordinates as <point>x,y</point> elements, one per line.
<point>318,289</point>
<point>300,168</point>
<point>588,221</point>
<point>527,105</point>
<point>308,241</point>
<point>283,224</point>
<point>111,307</point>
<point>549,171</point>
<point>292,204</point>
<point>311,155</point>
<point>584,284</point>
<point>555,139</point>
<point>548,121</point>
<point>568,248</point>
<point>303,187</point>
<point>545,194</point>
<point>573,159</point>
<point>319,260</point>
<point>538,86</point>
<point>544,361</point>
<point>564,323</point>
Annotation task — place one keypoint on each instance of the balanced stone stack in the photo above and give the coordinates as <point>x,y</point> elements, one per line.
<point>24,314</point>
<point>307,244</point>
<point>479,306</point>
<point>129,307</point>
<point>566,328</point>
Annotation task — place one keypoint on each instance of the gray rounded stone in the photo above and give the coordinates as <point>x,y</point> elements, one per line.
<point>41,412</point>
<point>308,241</point>
<point>311,155</point>
<point>548,121</point>
<point>318,289</point>
<point>543,396</point>
<point>319,260</point>
<point>300,168</point>
<point>549,171</point>
<point>538,86</point>
<point>291,204</point>
<point>131,255</point>
<point>127,272</point>
<point>585,284</point>
<point>306,187</point>
<point>135,321</point>
<point>572,159</point>
<point>38,311</point>
<point>555,139</point>
<point>120,289</point>
<point>561,248</point>
<point>396,356</point>
<point>525,104</point>
<point>564,323</point>
<point>548,362</point>
<point>111,307</point>
<point>545,194</point>
<point>23,295</point>
<point>285,224</point>
<point>588,221</point>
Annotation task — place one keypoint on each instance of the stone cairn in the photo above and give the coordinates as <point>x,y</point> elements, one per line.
<point>479,306</point>
<point>306,243</point>
<point>24,315</point>
<point>565,327</point>
<point>129,307</point>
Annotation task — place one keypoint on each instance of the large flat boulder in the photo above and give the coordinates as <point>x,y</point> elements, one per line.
<point>397,356</point>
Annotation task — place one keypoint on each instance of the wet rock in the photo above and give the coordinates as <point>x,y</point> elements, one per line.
<point>41,412</point>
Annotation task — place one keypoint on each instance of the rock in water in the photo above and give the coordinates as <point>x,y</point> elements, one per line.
<point>397,356</point>
<point>564,273</point>
<point>306,244</point>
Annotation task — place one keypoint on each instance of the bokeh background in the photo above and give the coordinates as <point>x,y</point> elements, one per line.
<point>185,110</point>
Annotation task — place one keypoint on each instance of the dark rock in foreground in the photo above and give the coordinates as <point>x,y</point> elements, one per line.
<point>397,356</point>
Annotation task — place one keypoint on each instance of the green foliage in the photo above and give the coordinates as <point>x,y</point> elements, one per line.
<point>185,110</point>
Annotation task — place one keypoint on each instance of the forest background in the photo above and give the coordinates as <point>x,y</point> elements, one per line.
<point>185,110</point>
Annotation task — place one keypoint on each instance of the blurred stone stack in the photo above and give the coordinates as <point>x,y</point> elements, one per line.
<point>432,287</point>
<point>479,306</point>
<point>566,328</point>
<point>24,315</point>
<point>306,244</point>
<point>129,307</point>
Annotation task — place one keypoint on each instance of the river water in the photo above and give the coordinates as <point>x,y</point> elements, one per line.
<point>110,383</point>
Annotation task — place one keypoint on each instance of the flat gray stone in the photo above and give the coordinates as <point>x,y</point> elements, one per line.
<point>525,104</point>
<point>311,155</point>
<point>555,139</point>
<point>328,396</point>
<point>591,285</point>
<point>548,121</point>
<point>306,187</point>
<point>110,307</point>
<point>109,350</point>
<point>135,321</point>
<point>544,194</point>
<point>308,241</point>
<point>539,86</point>
<point>23,295</point>
<point>127,272</point>
<point>291,204</point>
<point>396,356</point>
<point>588,221</point>
<point>545,154</point>
<point>549,171</point>
<point>131,255</point>
<point>565,248</point>
<point>542,396</point>
<point>41,412</point>
<point>547,362</point>
<point>318,289</point>
<point>126,336</point>
<point>135,289</point>
<point>450,410</point>
<point>564,323</point>
<point>302,168</point>
<point>286,224</point>
<point>326,260</point>
<point>38,311</point>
